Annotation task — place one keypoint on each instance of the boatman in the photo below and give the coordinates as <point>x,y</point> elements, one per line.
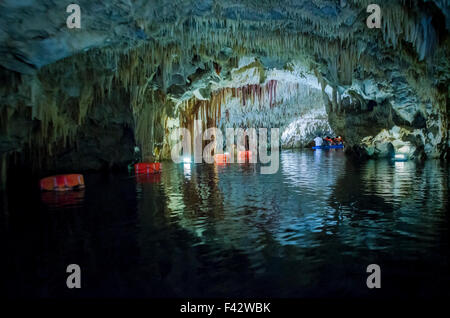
<point>318,141</point>
<point>137,154</point>
<point>328,141</point>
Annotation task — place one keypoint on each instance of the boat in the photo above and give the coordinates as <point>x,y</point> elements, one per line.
<point>329,147</point>
<point>244,156</point>
<point>63,182</point>
<point>147,167</point>
<point>400,157</point>
<point>222,158</point>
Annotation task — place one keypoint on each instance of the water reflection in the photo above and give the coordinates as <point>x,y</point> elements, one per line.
<point>63,199</point>
<point>148,178</point>
<point>317,201</point>
<point>187,170</point>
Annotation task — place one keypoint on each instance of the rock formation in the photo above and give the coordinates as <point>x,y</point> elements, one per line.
<point>136,69</point>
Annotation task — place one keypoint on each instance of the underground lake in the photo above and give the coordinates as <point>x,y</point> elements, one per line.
<point>201,230</point>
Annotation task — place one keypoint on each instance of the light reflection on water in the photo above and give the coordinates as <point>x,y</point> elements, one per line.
<point>209,230</point>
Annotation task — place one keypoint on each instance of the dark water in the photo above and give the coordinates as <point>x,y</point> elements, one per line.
<point>227,231</point>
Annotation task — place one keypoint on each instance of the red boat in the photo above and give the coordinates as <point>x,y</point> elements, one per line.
<point>222,158</point>
<point>244,156</point>
<point>147,167</point>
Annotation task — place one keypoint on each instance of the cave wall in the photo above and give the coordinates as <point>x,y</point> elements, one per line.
<point>69,128</point>
<point>405,95</point>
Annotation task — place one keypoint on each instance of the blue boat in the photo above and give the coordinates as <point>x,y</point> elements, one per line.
<point>329,147</point>
<point>400,157</point>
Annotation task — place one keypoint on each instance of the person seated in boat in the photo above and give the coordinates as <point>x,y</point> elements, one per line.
<point>328,141</point>
<point>338,140</point>
<point>318,141</point>
<point>137,154</point>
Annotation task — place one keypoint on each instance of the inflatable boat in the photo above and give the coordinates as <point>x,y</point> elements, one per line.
<point>222,158</point>
<point>244,156</point>
<point>147,167</point>
<point>64,182</point>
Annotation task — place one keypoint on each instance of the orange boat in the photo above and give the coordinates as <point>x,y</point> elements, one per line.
<point>147,167</point>
<point>222,158</point>
<point>62,182</point>
<point>245,156</point>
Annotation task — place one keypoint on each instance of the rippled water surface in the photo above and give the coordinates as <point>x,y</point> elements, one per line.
<point>214,231</point>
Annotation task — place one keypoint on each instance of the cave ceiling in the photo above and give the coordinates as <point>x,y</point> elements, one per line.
<point>182,49</point>
<point>34,33</point>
